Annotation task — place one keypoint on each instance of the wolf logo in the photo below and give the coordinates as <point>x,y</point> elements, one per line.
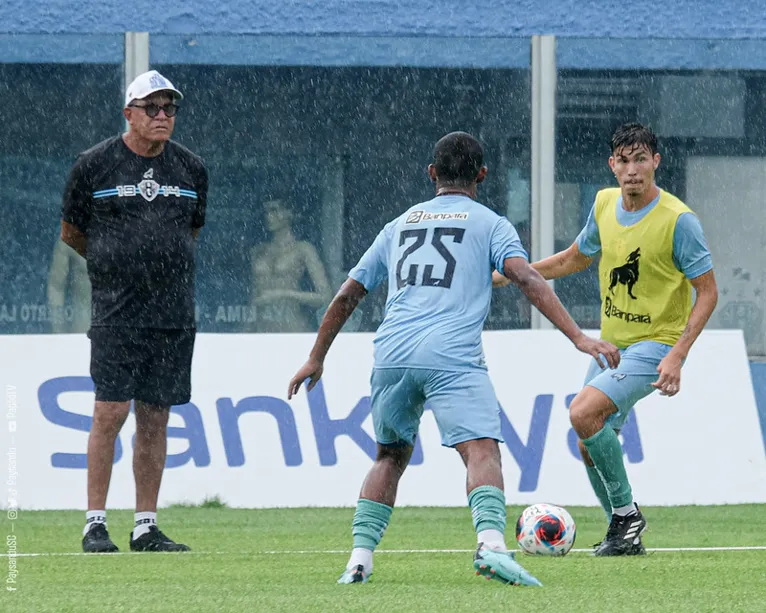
<point>627,274</point>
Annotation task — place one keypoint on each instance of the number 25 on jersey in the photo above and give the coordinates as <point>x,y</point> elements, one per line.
<point>416,239</point>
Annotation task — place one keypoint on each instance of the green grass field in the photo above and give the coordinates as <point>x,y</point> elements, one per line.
<point>289,560</point>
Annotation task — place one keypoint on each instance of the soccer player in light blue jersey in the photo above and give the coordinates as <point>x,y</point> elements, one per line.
<point>438,258</point>
<point>653,254</point>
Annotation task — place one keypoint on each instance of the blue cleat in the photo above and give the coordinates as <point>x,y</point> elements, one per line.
<point>501,566</point>
<point>357,574</point>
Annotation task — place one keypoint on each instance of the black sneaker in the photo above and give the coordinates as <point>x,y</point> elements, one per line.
<point>623,538</point>
<point>155,540</point>
<point>96,540</point>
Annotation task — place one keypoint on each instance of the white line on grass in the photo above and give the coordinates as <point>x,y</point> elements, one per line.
<point>288,552</point>
<point>659,550</point>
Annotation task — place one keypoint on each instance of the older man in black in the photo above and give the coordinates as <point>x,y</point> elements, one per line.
<point>133,207</point>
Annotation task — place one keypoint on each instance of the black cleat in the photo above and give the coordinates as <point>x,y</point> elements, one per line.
<point>96,540</point>
<point>623,538</point>
<point>637,549</point>
<point>155,540</point>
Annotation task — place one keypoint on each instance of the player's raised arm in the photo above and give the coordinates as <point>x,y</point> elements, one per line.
<point>539,293</point>
<point>578,256</point>
<point>563,263</point>
<point>337,314</point>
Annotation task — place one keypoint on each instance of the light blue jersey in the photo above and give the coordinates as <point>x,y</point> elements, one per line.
<point>438,257</point>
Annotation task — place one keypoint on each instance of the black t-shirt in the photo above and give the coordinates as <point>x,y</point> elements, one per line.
<point>138,215</point>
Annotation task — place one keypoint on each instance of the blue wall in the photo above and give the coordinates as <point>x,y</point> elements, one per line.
<point>679,19</point>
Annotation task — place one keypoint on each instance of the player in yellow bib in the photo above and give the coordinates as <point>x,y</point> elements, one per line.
<point>653,252</point>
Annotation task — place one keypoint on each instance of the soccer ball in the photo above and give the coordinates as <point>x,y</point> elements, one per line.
<point>545,529</point>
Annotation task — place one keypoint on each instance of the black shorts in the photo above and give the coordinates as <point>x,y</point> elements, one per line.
<point>150,365</point>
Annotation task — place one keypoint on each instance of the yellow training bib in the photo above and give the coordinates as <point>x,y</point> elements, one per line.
<point>644,297</point>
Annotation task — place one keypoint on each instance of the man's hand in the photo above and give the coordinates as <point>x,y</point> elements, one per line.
<point>598,348</point>
<point>669,382</point>
<point>499,280</point>
<point>311,370</point>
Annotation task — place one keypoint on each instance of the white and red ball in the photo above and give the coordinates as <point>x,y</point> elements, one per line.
<point>545,529</point>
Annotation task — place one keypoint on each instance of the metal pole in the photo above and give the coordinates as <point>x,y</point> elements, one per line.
<point>136,58</point>
<point>543,154</point>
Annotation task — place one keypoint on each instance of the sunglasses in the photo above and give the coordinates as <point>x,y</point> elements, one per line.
<point>152,110</point>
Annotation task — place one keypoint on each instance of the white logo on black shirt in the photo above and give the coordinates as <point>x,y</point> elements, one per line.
<point>149,189</point>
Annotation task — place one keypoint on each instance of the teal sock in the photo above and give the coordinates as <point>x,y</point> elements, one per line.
<point>606,452</point>
<point>598,486</point>
<point>488,508</point>
<point>370,522</point>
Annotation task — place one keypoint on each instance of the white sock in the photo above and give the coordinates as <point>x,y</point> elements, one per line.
<point>628,509</point>
<point>93,517</point>
<point>144,521</point>
<point>361,556</point>
<point>494,539</point>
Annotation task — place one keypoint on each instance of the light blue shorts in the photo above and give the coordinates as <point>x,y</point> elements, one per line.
<point>464,404</point>
<point>631,380</point>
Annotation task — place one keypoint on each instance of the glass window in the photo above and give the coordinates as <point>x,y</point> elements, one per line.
<point>314,143</point>
<point>703,99</point>
<point>61,95</point>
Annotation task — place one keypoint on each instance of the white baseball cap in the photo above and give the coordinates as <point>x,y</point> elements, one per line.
<point>148,83</point>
